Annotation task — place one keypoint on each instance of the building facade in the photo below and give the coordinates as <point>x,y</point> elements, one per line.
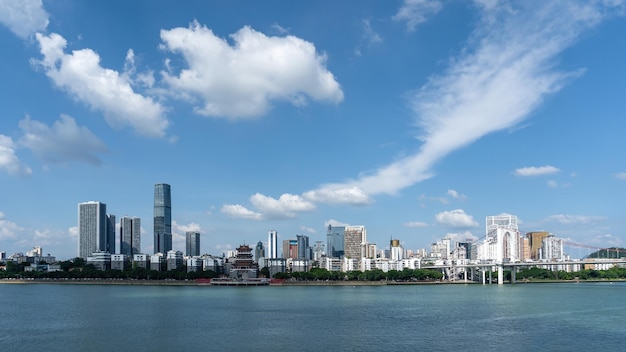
<point>335,241</point>
<point>259,251</point>
<point>304,250</point>
<point>162,218</point>
<point>192,243</point>
<point>130,236</point>
<point>272,244</point>
<point>93,229</point>
<point>355,238</point>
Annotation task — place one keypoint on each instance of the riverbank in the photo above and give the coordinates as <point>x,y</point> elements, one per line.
<point>283,283</point>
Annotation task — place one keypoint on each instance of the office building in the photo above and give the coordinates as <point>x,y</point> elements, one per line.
<point>304,251</point>
<point>536,242</point>
<point>272,244</point>
<point>290,249</point>
<point>354,239</point>
<point>130,236</point>
<point>335,241</point>
<point>93,229</point>
<point>192,243</point>
<point>162,218</point>
<point>259,251</point>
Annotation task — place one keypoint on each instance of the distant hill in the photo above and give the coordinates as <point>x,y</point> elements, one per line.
<point>611,253</point>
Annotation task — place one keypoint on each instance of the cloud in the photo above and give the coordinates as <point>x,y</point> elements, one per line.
<point>608,240</point>
<point>456,195</point>
<point>456,219</point>
<point>105,90</point>
<point>241,81</point>
<point>282,208</point>
<point>338,194</point>
<point>179,234</point>
<point>24,17</point>
<point>505,72</point>
<point>552,184</point>
<point>621,176</point>
<point>62,141</point>
<point>465,236</point>
<point>8,229</point>
<point>280,29</point>
<point>308,230</point>
<point>536,171</point>
<point>415,224</point>
<point>415,12</point>
<point>369,37</point>
<point>335,223</point>
<point>9,160</point>
<point>575,219</point>
<point>239,211</point>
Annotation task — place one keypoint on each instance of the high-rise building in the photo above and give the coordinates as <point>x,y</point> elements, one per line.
<point>259,251</point>
<point>130,236</point>
<point>110,244</point>
<point>304,251</point>
<point>354,239</point>
<point>193,243</point>
<point>93,229</point>
<point>335,241</point>
<point>536,242</point>
<point>162,218</point>
<point>290,249</point>
<point>272,244</point>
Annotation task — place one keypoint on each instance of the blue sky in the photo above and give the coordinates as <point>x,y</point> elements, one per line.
<point>415,118</point>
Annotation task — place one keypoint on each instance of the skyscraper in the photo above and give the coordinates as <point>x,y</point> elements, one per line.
<point>130,235</point>
<point>193,243</point>
<point>162,218</point>
<point>304,251</point>
<point>259,251</point>
<point>355,238</point>
<point>272,244</point>
<point>93,229</point>
<point>335,241</point>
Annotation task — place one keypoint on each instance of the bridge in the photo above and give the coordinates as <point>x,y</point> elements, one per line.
<point>488,267</point>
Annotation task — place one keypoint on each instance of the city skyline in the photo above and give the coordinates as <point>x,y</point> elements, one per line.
<point>416,119</point>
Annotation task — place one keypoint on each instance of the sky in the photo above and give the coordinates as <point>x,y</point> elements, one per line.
<point>414,118</point>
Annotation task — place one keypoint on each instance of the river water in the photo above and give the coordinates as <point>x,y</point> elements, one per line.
<point>521,317</point>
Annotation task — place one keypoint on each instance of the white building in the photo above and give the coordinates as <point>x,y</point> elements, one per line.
<point>272,244</point>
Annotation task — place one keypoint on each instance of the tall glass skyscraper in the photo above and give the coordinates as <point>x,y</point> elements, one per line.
<point>335,241</point>
<point>193,243</point>
<point>94,230</point>
<point>162,218</point>
<point>130,235</point>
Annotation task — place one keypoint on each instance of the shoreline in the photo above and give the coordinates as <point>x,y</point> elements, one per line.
<point>284,283</point>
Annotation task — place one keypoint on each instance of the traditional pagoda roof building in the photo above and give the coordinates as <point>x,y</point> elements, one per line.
<point>244,267</point>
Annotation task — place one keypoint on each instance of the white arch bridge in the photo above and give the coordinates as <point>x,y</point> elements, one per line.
<point>486,269</point>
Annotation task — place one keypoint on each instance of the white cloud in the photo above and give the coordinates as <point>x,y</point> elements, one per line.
<point>179,234</point>
<point>24,17</point>
<point>239,211</point>
<point>8,229</point>
<point>241,81</point>
<point>415,12</point>
<point>621,175</point>
<point>465,236</point>
<point>575,219</point>
<point>536,171</point>
<point>338,195</point>
<point>456,195</point>
<point>608,240</point>
<point>415,224</point>
<point>308,230</point>
<point>284,207</point>
<point>9,160</point>
<point>105,90</point>
<point>334,223</point>
<point>503,75</point>
<point>552,184</point>
<point>456,219</point>
<point>369,37</point>
<point>62,141</point>
<point>280,29</point>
